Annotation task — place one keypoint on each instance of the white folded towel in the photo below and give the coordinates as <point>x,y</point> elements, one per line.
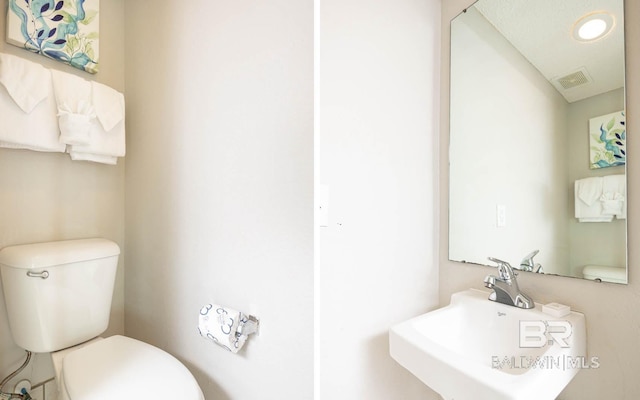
<point>91,118</point>
<point>613,198</point>
<point>109,105</point>
<point>587,209</point>
<point>222,326</point>
<point>75,112</point>
<point>80,156</point>
<point>589,189</point>
<point>107,134</point>
<point>71,91</point>
<point>103,147</point>
<point>26,82</point>
<point>27,106</point>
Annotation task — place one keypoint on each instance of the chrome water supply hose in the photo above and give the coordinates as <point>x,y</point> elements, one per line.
<point>23,396</point>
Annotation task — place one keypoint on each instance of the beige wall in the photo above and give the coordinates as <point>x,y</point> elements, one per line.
<point>220,186</point>
<point>611,310</point>
<point>378,88</point>
<point>46,196</point>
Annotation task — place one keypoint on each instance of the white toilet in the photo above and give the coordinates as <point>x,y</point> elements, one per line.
<point>602,273</point>
<point>58,298</point>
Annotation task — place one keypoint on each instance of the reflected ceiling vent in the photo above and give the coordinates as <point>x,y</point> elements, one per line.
<point>574,79</point>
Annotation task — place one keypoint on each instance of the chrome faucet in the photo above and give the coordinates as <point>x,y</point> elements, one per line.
<point>527,263</point>
<point>505,287</point>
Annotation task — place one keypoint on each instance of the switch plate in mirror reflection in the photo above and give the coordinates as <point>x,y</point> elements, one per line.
<point>520,138</point>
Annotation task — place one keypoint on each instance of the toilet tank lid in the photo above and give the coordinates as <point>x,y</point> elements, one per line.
<point>605,272</point>
<point>48,254</point>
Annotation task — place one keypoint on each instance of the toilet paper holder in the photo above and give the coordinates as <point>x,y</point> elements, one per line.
<point>248,326</point>
<point>226,327</point>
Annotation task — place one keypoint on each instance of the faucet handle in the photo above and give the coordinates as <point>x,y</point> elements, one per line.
<point>527,261</point>
<point>504,268</point>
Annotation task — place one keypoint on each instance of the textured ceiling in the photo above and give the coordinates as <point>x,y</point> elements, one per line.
<point>542,31</point>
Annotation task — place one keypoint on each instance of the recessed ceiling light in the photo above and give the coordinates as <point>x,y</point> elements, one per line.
<point>593,26</point>
<point>592,29</point>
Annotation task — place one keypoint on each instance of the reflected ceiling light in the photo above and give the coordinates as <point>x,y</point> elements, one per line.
<point>593,26</point>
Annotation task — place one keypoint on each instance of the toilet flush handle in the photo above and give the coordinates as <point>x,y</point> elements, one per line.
<point>43,274</point>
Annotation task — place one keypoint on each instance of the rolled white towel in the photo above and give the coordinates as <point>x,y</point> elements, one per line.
<point>612,203</point>
<point>614,193</point>
<point>75,112</point>
<point>75,124</point>
<point>107,134</point>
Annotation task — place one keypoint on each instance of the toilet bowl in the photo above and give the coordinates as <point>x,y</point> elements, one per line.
<point>119,367</point>
<point>58,297</point>
<point>602,273</point>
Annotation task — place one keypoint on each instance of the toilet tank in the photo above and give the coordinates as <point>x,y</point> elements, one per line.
<point>603,273</point>
<point>58,294</point>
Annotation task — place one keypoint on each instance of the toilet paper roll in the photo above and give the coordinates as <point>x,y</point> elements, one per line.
<point>220,325</point>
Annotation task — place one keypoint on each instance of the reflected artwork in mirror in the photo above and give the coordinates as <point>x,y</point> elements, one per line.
<point>537,137</point>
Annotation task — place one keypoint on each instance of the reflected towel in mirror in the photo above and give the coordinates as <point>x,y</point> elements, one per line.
<point>587,207</point>
<point>614,192</point>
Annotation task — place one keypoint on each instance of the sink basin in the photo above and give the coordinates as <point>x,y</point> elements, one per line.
<point>475,348</point>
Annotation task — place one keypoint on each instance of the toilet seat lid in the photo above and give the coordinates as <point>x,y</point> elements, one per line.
<point>119,367</point>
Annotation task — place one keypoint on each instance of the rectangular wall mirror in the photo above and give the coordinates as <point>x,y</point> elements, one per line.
<point>537,137</point>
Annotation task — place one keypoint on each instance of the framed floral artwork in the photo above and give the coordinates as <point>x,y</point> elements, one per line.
<point>64,30</point>
<point>607,140</point>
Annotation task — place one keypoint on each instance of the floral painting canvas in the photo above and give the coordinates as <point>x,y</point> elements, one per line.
<point>65,30</point>
<point>608,138</point>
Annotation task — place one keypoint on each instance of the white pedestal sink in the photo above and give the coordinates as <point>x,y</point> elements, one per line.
<point>476,349</point>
